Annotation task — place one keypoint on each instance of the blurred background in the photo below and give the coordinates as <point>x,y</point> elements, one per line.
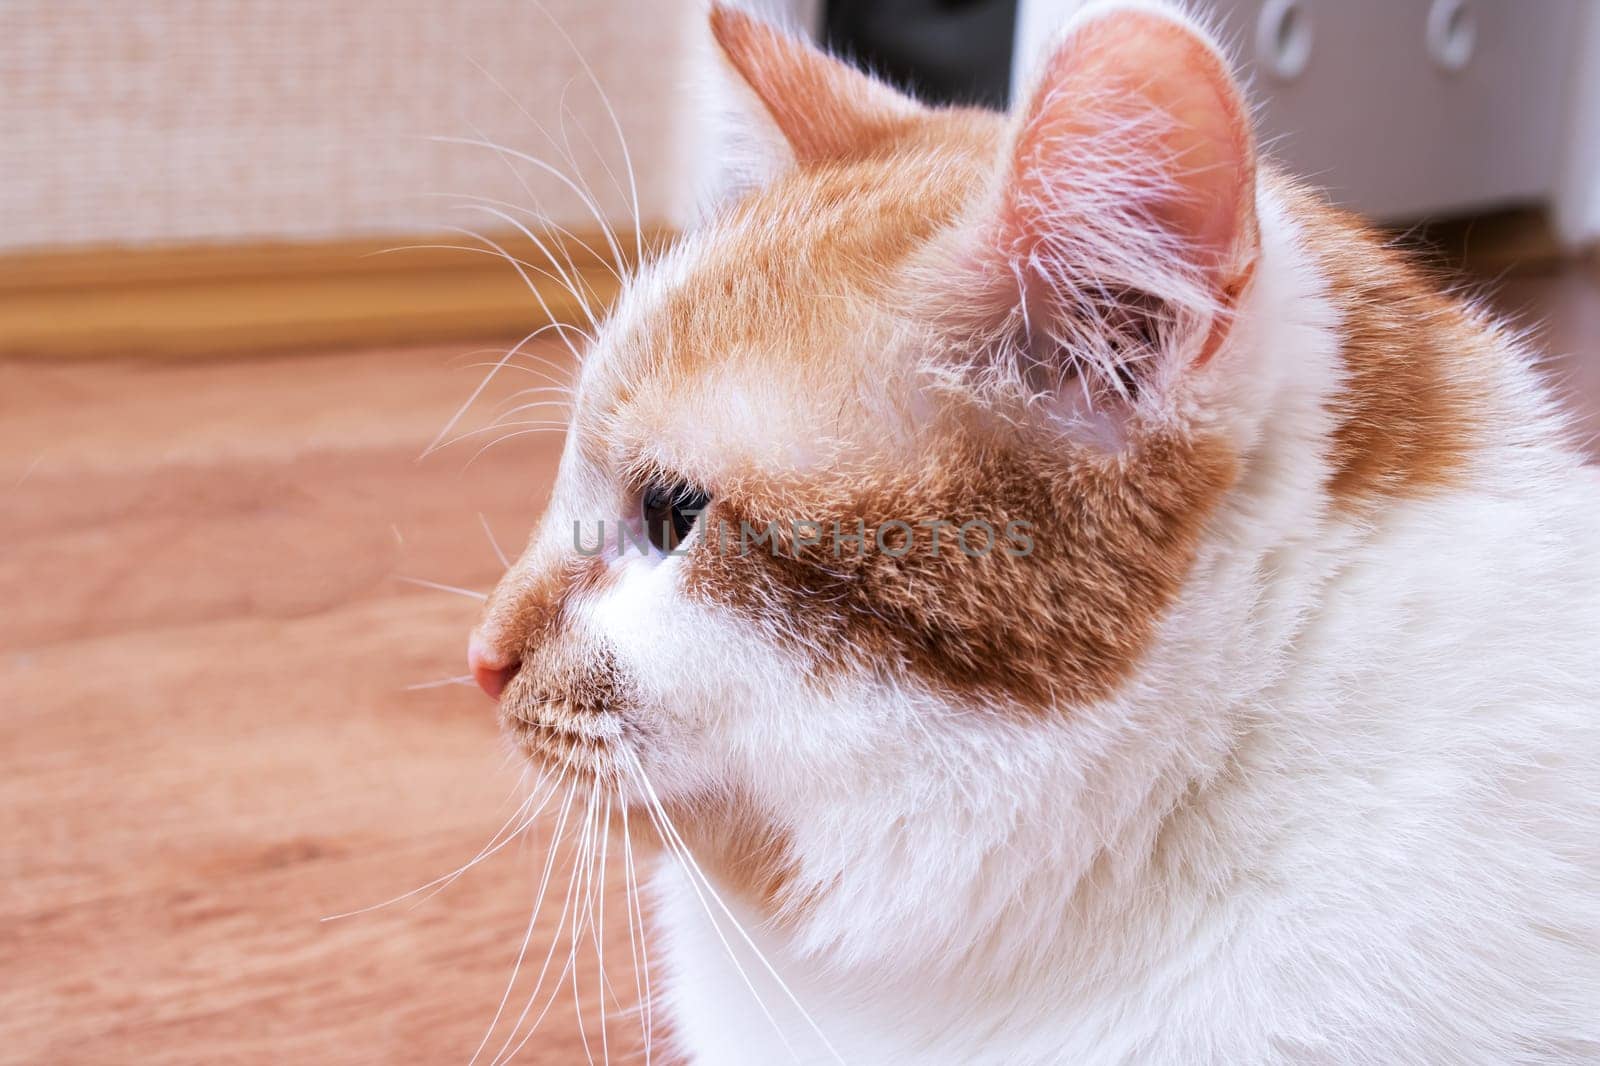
<point>288,290</point>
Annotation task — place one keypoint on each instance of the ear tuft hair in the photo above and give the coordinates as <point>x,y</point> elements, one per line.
<point>1123,228</point>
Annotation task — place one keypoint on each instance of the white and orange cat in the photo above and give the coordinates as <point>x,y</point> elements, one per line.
<point>1265,730</point>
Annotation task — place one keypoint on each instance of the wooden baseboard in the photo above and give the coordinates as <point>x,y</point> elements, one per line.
<point>197,301</point>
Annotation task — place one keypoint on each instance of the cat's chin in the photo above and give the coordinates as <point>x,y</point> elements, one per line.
<point>586,749</point>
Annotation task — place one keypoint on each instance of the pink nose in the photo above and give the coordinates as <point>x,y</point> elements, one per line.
<point>493,672</point>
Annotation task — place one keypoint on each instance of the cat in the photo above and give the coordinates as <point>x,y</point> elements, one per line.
<point>1249,711</point>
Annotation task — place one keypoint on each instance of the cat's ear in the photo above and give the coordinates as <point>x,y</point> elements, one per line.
<point>819,108</point>
<point>1125,212</point>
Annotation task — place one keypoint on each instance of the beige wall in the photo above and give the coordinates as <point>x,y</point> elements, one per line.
<point>138,121</point>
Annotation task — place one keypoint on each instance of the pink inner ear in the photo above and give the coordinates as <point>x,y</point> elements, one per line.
<point>825,109</point>
<point>1190,161</point>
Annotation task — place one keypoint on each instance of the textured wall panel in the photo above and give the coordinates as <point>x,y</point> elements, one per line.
<point>135,121</point>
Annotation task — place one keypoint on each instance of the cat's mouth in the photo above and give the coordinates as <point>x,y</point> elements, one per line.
<point>569,713</point>
<point>551,735</point>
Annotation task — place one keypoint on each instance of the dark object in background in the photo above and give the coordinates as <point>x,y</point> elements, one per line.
<point>944,51</point>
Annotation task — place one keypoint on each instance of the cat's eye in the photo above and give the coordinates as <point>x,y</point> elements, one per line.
<point>669,511</point>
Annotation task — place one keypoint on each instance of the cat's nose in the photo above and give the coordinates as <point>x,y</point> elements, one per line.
<point>489,668</point>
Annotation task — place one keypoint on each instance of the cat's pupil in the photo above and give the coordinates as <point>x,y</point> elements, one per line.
<point>670,511</point>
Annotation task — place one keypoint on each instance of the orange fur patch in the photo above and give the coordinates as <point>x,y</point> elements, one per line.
<point>1113,539</point>
<point>782,302</point>
<point>1413,359</point>
<point>745,852</point>
<point>525,609</point>
<point>768,282</point>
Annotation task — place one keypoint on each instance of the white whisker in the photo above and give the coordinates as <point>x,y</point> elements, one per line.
<point>443,682</point>
<point>533,919</point>
<point>568,237</point>
<point>675,847</point>
<point>563,263</point>
<point>437,587</point>
<point>547,384</point>
<point>583,920</point>
<point>510,407</point>
<point>473,249</point>
<point>538,296</point>
<point>600,929</point>
<point>637,946</point>
<point>444,879</point>
<point>493,544</point>
<point>541,424</point>
<point>616,125</point>
<point>547,381</point>
<point>507,1051</point>
<point>533,161</point>
<point>28,470</point>
<point>670,832</point>
<point>511,353</point>
<point>550,427</point>
<point>516,834</point>
<point>500,423</point>
<point>564,147</point>
<point>573,281</point>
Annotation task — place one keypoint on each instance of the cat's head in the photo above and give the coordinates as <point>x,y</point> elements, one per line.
<point>906,453</point>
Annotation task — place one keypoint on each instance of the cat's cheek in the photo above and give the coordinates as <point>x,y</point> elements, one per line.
<point>670,647</point>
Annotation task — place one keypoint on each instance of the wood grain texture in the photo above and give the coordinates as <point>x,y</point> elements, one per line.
<point>210,300</point>
<point>208,741</point>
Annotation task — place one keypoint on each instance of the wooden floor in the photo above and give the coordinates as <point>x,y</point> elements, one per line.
<point>209,737</point>
<point>209,742</point>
